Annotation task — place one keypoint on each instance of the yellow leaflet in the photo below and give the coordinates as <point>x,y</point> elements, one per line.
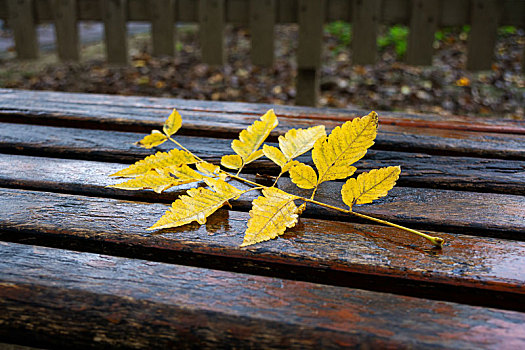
<point>154,139</point>
<point>370,186</point>
<point>184,174</point>
<point>270,216</point>
<point>232,161</point>
<point>173,123</point>
<point>275,155</point>
<point>158,160</point>
<point>299,141</point>
<point>198,204</point>
<point>303,176</point>
<point>151,180</point>
<point>252,138</point>
<point>289,165</point>
<point>345,145</point>
<point>208,168</point>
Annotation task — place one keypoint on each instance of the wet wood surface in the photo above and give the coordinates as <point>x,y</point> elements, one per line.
<point>98,298</point>
<point>424,208</point>
<point>463,179</point>
<point>418,169</point>
<point>412,133</point>
<point>332,252</point>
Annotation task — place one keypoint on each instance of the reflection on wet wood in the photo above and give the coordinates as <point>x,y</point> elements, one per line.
<point>470,269</point>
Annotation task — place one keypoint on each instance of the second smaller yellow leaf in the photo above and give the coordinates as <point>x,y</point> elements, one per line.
<point>303,176</point>
<point>154,139</point>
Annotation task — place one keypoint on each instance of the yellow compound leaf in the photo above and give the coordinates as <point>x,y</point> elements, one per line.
<point>270,215</point>
<point>232,161</point>
<point>303,176</point>
<point>173,123</point>
<point>159,160</point>
<point>370,186</point>
<point>252,138</point>
<point>198,204</point>
<point>255,155</point>
<point>345,145</point>
<point>275,155</point>
<point>151,180</point>
<point>299,141</point>
<point>154,139</point>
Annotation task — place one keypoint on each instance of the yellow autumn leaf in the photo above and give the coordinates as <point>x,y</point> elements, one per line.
<point>346,144</point>
<point>299,141</point>
<point>173,123</point>
<point>289,165</point>
<point>275,155</point>
<point>157,161</point>
<point>370,186</point>
<point>151,180</point>
<point>231,161</point>
<point>252,138</point>
<point>154,139</point>
<point>255,155</point>
<point>270,215</point>
<point>198,204</point>
<point>303,176</point>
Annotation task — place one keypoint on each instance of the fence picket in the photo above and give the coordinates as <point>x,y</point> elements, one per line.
<point>365,15</point>
<point>66,29</point>
<point>212,21</point>
<point>114,14</point>
<point>423,25</point>
<point>311,20</point>
<point>21,18</point>
<point>482,36</point>
<point>163,27</point>
<point>262,21</point>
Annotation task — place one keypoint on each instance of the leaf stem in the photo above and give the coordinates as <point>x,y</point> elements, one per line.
<point>436,241</point>
<point>184,148</point>
<point>243,179</point>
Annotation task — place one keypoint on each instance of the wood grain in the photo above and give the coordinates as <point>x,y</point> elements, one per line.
<point>472,270</point>
<point>427,209</point>
<point>418,169</point>
<point>82,299</point>
<point>397,132</point>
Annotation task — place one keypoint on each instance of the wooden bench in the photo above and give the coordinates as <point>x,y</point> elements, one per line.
<point>78,268</point>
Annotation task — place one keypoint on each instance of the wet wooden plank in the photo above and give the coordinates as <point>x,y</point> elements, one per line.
<point>427,209</point>
<point>82,299</point>
<point>227,125</point>
<point>22,20</point>
<point>471,270</point>
<point>65,14</point>
<point>419,170</point>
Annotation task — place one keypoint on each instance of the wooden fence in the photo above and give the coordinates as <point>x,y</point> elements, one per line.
<point>423,17</point>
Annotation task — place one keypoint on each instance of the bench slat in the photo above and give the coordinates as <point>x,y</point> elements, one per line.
<point>475,270</point>
<point>428,209</point>
<point>420,170</point>
<point>79,298</point>
<point>391,137</point>
<point>101,106</point>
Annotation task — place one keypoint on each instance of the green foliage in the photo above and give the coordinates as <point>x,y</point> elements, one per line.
<point>395,36</point>
<point>342,31</point>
